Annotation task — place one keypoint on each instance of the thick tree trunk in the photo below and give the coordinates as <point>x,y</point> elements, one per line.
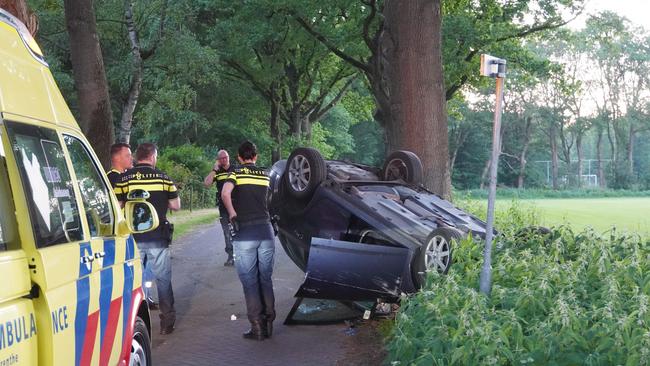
<point>136,82</point>
<point>601,172</point>
<point>95,115</point>
<point>417,93</point>
<point>554,156</point>
<point>20,10</point>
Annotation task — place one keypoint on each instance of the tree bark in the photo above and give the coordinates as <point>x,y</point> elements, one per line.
<point>524,151</point>
<point>95,116</point>
<point>412,34</point>
<point>136,82</point>
<point>601,172</point>
<point>276,133</point>
<point>579,152</point>
<point>630,151</point>
<point>554,155</point>
<point>20,10</point>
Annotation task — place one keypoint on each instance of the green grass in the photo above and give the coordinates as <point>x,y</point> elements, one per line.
<point>184,221</point>
<point>627,214</point>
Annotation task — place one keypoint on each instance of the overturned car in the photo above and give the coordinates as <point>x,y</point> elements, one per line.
<point>362,233</point>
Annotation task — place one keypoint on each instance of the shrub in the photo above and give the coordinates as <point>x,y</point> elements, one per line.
<point>561,299</point>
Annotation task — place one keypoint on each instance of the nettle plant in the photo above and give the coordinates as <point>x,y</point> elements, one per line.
<point>557,299</point>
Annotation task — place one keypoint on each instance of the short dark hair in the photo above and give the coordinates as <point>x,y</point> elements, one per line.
<point>145,151</point>
<point>247,150</point>
<point>117,147</point>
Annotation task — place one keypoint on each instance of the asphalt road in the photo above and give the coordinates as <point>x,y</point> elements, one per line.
<point>208,294</point>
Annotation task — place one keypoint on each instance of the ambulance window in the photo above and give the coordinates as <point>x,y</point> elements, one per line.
<point>47,184</point>
<point>94,192</point>
<point>8,227</point>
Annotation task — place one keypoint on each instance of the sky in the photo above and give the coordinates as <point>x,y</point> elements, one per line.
<point>637,11</point>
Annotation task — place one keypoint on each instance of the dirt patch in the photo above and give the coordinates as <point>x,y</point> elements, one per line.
<point>366,346</point>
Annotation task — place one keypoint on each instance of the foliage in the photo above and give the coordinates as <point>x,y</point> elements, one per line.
<point>563,299</point>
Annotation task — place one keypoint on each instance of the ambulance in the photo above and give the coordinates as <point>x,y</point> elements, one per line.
<point>70,274</point>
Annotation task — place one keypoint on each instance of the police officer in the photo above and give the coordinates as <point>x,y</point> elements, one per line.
<point>218,175</point>
<point>244,195</point>
<point>121,160</point>
<point>154,245</point>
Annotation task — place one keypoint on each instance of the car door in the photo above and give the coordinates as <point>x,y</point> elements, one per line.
<point>342,270</point>
<point>60,252</point>
<point>18,333</point>
<point>113,254</point>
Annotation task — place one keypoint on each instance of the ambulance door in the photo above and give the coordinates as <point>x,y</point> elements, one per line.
<point>18,332</point>
<point>61,256</point>
<point>116,274</point>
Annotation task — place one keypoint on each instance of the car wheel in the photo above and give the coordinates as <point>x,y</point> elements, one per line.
<point>435,254</point>
<point>305,171</point>
<point>403,165</point>
<point>140,345</point>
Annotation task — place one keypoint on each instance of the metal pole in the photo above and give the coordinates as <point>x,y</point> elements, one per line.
<point>486,272</point>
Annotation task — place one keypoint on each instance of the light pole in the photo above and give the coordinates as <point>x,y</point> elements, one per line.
<point>495,68</point>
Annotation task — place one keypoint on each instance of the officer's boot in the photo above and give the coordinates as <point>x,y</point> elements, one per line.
<point>257,330</point>
<point>269,325</point>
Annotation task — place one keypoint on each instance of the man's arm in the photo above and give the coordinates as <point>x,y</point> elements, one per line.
<point>209,179</point>
<point>226,198</point>
<point>174,204</point>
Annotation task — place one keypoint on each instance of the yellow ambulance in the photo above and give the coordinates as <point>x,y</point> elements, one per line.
<point>70,273</point>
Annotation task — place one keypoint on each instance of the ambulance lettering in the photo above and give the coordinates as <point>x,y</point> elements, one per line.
<point>17,330</point>
<point>60,319</point>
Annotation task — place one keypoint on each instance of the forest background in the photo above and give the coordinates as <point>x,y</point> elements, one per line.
<point>197,76</point>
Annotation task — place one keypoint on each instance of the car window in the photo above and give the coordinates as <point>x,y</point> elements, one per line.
<point>94,192</point>
<point>46,180</point>
<point>8,227</point>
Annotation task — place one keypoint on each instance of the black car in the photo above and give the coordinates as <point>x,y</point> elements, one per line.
<point>362,233</point>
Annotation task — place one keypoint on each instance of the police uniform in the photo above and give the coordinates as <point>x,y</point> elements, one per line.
<point>154,245</point>
<point>219,179</point>
<point>113,177</point>
<point>254,245</point>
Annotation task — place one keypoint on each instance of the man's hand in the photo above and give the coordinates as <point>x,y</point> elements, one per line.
<point>217,165</point>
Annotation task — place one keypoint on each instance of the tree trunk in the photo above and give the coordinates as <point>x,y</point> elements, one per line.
<point>579,152</point>
<point>524,151</point>
<point>630,152</point>
<point>276,133</point>
<point>136,83</point>
<point>554,155</point>
<point>601,172</point>
<point>417,93</point>
<point>95,115</point>
<point>20,10</point>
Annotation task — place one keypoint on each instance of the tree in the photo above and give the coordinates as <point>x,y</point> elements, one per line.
<point>417,94</point>
<point>20,10</point>
<point>95,116</point>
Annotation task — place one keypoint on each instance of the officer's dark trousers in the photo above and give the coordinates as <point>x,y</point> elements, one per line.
<point>226,234</point>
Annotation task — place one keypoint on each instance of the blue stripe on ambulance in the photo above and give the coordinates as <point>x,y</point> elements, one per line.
<point>83,301</point>
<point>106,292</point>
<point>128,282</point>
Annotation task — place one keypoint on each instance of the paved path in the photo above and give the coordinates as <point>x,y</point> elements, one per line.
<point>207,294</point>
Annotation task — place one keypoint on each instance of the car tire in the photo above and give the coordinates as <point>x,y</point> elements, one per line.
<point>306,170</point>
<point>140,344</point>
<point>436,253</point>
<point>403,165</point>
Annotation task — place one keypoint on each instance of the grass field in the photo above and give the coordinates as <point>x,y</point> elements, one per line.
<point>630,214</point>
<point>184,220</point>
